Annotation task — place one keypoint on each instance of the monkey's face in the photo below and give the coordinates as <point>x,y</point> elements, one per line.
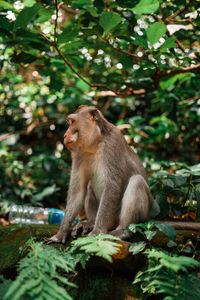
<point>82,133</point>
<point>72,133</point>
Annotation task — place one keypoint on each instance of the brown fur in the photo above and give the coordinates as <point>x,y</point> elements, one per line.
<point>107,178</point>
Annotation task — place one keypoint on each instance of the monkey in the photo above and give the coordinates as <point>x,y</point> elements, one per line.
<point>107,178</point>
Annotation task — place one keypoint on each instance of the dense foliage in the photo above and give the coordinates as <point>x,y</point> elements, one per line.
<point>48,273</point>
<point>136,60</point>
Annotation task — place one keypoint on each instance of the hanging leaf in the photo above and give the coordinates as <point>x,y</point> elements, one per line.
<point>150,234</point>
<point>155,210</point>
<point>140,41</point>
<point>27,15</point>
<point>136,248</point>
<point>146,7</point>
<point>168,230</point>
<point>67,35</point>
<point>5,5</point>
<point>169,43</point>
<point>155,31</point>
<point>109,20</point>
<point>23,58</point>
<point>168,182</point>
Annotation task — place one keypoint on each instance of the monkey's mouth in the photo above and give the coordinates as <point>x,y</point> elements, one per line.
<point>67,144</point>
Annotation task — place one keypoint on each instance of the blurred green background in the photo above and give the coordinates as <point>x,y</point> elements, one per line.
<point>136,60</point>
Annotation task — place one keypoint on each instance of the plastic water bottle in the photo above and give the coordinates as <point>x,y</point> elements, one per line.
<point>20,214</point>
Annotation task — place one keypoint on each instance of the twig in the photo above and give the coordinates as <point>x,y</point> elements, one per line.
<point>190,99</point>
<point>44,36</point>
<point>178,12</point>
<point>131,54</point>
<point>56,22</point>
<point>179,71</point>
<point>180,21</point>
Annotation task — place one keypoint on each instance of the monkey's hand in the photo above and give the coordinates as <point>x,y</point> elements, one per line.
<point>96,232</point>
<point>57,238</point>
<point>82,228</point>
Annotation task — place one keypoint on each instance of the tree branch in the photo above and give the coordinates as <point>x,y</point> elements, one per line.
<point>179,71</point>
<point>116,92</point>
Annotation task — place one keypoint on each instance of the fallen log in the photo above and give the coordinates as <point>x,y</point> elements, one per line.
<point>13,238</point>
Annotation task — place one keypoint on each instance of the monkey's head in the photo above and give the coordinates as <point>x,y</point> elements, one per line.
<point>86,126</point>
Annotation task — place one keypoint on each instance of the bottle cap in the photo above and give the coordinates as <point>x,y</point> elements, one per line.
<point>55,216</point>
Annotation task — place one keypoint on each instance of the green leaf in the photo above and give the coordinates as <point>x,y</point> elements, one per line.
<point>171,244</point>
<point>109,20</point>
<point>140,41</point>
<point>4,23</point>
<point>168,182</point>
<point>46,192</point>
<point>197,196</point>
<point>29,2</point>
<point>155,210</point>
<point>180,180</point>
<point>169,43</point>
<point>27,15</point>
<point>23,58</point>
<point>150,234</point>
<point>44,15</point>
<point>67,35</point>
<point>146,7</point>
<point>84,87</point>
<point>168,230</point>
<point>155,31</point>
<point>4,285</point>
<point>136,248</point>
<point>5,5</point>
<point>195,170</point>
<point>133,228</point>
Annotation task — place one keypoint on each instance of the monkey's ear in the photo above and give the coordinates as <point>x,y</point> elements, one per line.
<point>80,108</point>
<point>95,115</point>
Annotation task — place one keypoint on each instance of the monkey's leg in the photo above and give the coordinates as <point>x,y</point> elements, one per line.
<point>91,204</point>
<point>108,208</point>
<point>136,205</point>
<point>91,207</point>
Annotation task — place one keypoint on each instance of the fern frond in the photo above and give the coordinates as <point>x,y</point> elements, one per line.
<point>169,275</point>
<point>175,263</point>
<point>39,277</point>
<point>101,245</point>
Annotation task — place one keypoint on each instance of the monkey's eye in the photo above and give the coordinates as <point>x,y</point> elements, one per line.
<point>70,121</point>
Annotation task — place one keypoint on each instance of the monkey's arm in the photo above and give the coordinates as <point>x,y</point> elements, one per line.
<point>74,206</point>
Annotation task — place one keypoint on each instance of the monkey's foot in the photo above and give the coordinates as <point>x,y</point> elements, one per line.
<point>121,233</point>
<point>57,238</point>
<point>82,228</point>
